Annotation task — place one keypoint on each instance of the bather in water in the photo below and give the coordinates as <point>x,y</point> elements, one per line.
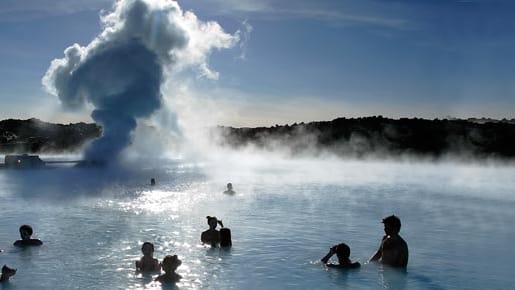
<point>147,263</point>
<point>26,239</point>
<point>342,252</point>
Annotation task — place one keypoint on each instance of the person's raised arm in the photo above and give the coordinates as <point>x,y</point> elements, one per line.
<point>326,258</point>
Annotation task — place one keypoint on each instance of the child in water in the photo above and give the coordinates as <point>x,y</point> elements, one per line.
<point>169,265</point>
<point>342,252</point>
<point>7,273</point>
<point>147,263</point>
<point>26,240</point>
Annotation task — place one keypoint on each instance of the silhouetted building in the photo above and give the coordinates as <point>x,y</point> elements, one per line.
<point>23,161</point>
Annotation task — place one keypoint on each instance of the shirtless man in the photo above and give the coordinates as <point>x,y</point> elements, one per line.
<point>393,250</point>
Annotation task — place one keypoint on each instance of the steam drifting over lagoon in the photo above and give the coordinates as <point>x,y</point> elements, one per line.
<point>146,75</point>
<point>120,73</point>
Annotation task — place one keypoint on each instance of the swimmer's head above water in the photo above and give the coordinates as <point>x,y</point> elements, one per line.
<point>342,252</point>
<point>170,263</point>
<point>25,232</point>
<point>147,248</point>
<point>392,225</point>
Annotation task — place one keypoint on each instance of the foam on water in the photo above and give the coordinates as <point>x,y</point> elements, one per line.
<point>457,220</point>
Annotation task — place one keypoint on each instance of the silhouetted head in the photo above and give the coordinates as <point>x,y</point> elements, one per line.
<point>342,252</point>
<point>170,263</point>
<point>147,248</point>
<point>7,272</point>
<point>212,222</point>
<point>392,225</point>
<point>25,232</point>
<point>229,186</point>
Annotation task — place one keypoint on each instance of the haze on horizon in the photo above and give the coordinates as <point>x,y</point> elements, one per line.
<point>296,60</point>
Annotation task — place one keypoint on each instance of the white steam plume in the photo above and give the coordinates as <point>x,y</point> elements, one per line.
<point>120,73</point>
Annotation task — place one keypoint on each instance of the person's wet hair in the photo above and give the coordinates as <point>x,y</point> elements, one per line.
<point>148,243</point>
<point>27,229</point>
<point>343,251</point>
<point>170,263</point>
<point>393,221</point>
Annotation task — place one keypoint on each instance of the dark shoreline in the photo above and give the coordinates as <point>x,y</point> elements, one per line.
<point>36,136</point>
<point>362,138</point>
<point>383,138</point>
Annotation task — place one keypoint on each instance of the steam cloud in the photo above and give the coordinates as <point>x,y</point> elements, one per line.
<point>121,71</point>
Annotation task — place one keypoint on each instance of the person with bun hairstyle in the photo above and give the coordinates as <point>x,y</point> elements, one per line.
<point>212,235</point>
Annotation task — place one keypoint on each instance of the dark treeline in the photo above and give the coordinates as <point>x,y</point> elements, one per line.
<point>382,137</point>
<point>35,136</point>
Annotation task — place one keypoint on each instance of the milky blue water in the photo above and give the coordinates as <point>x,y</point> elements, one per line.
<point>457,220</point>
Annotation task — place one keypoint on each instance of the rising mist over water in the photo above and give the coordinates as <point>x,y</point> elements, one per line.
<point>284,216</point>
<point>143,43</point>
<point>287,209</point>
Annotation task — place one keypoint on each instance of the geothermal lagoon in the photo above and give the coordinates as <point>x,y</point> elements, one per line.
<point>456,218</point>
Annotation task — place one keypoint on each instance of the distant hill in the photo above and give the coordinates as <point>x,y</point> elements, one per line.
<point>383,137</point>
<point>36,136</point>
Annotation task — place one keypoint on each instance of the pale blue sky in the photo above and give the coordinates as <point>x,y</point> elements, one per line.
<point>303,60</point>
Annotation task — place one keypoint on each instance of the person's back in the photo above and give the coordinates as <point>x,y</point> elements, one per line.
<point>225,237</point>
<point>395,252</point>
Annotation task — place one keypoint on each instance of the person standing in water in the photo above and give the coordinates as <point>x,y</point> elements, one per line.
<point>393,250</point>
<point>229,189</point>
<point>152,181</point>
<point>225,236</point>
<point>147,263</point>
<point>26,240</point>
<point>342,252</point>
<point>211,236</point>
